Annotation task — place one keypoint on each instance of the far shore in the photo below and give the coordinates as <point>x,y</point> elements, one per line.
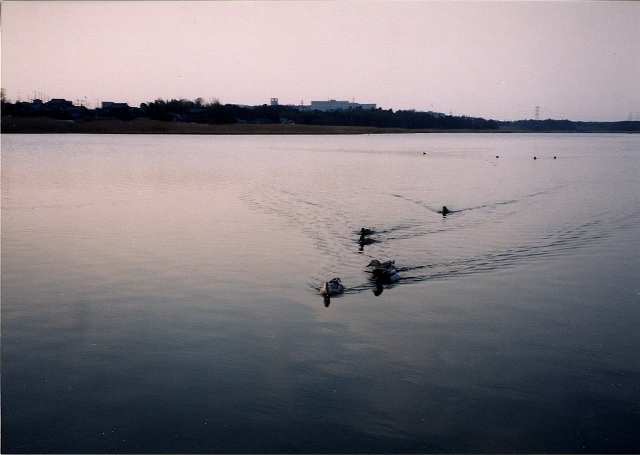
<point>42,125</point>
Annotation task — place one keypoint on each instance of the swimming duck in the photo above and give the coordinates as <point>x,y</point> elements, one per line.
<point>332,287</point>
<point>365,231</point>
<point>444,210</point>
<point>385,271</point>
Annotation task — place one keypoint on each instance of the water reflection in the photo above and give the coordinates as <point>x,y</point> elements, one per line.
<point>173,286</point>
<point>363,241</point>
<point>375,285</point>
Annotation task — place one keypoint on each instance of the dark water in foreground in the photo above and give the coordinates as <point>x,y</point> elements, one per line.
<point>160,294</point>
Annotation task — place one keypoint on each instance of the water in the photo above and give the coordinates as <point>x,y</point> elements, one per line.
<point>160,294</point>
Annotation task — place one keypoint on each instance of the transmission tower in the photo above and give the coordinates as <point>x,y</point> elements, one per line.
<point>537,112</point>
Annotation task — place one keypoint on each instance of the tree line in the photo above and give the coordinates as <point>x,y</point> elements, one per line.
<point>199,111</point>
<point>214,112</point>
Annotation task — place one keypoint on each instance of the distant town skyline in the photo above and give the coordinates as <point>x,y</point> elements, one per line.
<point>494,60</point>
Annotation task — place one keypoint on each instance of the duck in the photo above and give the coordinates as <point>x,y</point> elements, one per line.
<point>444,210</point>
<point>384,271</point>
<point>364,240</point>
<point>332,287</point>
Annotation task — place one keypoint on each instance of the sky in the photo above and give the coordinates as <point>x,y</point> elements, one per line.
<point>498,60</point>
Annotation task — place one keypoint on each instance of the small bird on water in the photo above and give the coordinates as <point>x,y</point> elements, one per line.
<point>384,271</point>
<point>332,287</point>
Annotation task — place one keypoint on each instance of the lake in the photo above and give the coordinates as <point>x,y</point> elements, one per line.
<point>160,294</point>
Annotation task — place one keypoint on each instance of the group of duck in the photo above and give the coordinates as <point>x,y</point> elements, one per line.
<point>381,272</point>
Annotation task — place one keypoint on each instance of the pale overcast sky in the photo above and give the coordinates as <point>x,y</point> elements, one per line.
<point>576,60</point>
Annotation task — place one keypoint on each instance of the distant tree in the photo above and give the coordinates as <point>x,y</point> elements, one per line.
<point>222,114</point>
<point>157,110</point>
<point>267,114</point>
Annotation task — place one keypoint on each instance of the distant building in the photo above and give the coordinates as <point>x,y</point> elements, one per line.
<point>329,105</point>
<point>34,108</point>
<point>56,108</point>
<point>59,103</point>
<point>118,110</point>
<point>110,105</point>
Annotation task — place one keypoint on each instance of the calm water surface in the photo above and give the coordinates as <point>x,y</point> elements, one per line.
<point>160,294</point>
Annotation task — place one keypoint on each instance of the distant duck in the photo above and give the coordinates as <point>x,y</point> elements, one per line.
<point>444,210</point>
<point>535,158</point>
<point>385,271</point>
<point>332,287</point>
<point>364,240</point>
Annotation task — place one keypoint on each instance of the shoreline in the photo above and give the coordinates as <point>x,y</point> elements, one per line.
<point>44,125</point>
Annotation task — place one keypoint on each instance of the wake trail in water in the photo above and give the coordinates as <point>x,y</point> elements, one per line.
<point>552,245</point>
<point>327,220</point>
<point>323,222</point>
<point>493,205</point>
